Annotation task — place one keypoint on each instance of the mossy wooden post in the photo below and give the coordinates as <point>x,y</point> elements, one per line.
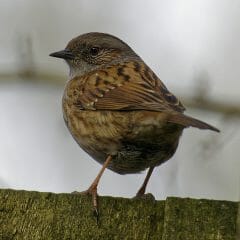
<point>34,215</point>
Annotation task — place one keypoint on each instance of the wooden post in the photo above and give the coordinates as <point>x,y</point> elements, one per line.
<point>35,215</point>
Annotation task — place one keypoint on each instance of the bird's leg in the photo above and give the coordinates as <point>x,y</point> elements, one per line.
<point>92,190</point>
<point>142,189</point>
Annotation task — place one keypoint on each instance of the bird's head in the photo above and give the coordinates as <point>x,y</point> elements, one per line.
<point>94,50</point>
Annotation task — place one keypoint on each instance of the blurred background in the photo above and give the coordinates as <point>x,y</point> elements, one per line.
<point>192,45</point>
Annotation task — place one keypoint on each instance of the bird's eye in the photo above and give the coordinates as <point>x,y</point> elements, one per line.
<point>94,51</point>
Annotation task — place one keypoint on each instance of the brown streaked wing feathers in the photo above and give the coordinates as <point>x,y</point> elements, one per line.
<point>143,90</point>
<point>127,89</point>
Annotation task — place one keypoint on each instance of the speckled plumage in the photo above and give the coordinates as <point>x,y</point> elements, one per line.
<point>117,109</point>
<point>136,139</point>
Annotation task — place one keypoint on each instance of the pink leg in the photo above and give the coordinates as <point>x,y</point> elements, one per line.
<point>142,189</point>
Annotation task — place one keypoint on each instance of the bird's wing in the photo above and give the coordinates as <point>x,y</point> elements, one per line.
<point>130,86</point>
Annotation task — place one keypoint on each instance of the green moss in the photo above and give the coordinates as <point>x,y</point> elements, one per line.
<point>200,219</point>
<point>34,215</point>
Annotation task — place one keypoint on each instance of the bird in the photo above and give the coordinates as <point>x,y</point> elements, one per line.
<point>118,110</point>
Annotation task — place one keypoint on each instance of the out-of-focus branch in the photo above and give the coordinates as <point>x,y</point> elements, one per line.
<point>228,109</point>
<point>204,103</point>
<point>27,71</point>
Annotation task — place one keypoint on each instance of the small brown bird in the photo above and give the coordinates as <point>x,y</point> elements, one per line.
<point>118,110</point>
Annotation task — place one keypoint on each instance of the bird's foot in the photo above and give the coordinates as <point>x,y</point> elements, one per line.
<point>86,192</point>
<point>145,196</point>
<point>92,190</point>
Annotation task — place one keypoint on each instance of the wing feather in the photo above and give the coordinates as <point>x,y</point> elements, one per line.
<point>128,87</point>
<point>124,88</point>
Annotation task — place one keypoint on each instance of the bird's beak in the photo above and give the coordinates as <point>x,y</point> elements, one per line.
<point>65,54</point>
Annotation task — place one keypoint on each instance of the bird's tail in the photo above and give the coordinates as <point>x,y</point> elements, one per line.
<point>190,122</point>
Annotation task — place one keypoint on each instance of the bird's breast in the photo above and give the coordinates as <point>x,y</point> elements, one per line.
<point>136,139</point>
<point>97,132</point>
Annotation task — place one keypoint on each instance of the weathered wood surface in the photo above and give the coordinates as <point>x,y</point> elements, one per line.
<point>34,215</point>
